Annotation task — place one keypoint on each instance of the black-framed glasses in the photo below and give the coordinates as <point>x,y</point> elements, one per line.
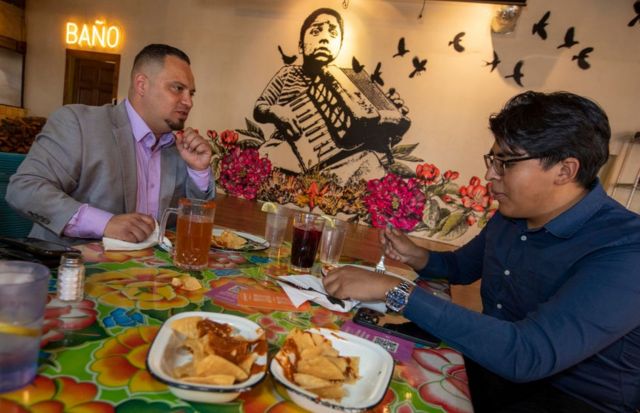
<point>499,165</point>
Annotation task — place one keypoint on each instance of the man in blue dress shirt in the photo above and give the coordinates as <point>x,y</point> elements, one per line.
<point>560,270</point>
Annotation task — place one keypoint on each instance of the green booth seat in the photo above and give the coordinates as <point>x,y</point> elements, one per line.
<point>12,224</point>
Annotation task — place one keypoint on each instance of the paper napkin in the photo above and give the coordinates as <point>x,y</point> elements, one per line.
<point>112,244</point>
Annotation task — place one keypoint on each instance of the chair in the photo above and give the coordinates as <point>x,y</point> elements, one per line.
<point>11,223</point>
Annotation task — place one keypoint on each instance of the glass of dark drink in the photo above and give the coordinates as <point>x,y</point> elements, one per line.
<point>307,231</point>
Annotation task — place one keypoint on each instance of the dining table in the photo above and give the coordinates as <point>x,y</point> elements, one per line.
<point>93,352</point>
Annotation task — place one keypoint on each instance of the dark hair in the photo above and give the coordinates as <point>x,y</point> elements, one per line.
<point>310,18</point>
<point>157,53</point>
<point>555,126</point>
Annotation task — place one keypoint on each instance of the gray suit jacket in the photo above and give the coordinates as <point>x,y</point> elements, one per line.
<point>86,154</point>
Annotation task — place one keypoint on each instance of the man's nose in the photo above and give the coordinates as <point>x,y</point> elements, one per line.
<point>491,174</point>
<point>187,100</point>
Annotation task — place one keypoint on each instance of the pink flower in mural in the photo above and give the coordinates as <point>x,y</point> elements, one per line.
<point>427,173</point>
<point>475,196</point>
<point>440,377</point>
<point>242,171</point>
<point>392,199</point>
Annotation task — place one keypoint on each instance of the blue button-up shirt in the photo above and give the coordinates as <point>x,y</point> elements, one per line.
<point>560,302</point>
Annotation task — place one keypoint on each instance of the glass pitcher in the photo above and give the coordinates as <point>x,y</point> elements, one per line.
<point>193,232</point>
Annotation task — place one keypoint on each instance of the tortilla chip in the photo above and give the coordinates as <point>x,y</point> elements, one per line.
<point>187,326</point>
<point>307,381</point>
<point>246,364</point>
<point>212,363</point>
<point>320,367</point>
<point>228,239</point>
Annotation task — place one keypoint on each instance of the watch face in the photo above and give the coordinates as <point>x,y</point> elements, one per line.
<point>396,299</point>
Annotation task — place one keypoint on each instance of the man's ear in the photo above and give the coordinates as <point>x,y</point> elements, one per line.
<point>140,83</point>
<point>568,171</point>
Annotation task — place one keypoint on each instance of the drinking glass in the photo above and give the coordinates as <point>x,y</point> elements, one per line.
<point>332,241</point>
<point>193,232</point>
<point>275,228</point>
<point>307,230</point>
<point>23,296</point>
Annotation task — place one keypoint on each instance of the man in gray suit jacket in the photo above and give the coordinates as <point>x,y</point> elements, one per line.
<point>110,170</point>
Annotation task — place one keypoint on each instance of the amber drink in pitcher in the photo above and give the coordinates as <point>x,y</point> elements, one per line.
<point>193,232</point>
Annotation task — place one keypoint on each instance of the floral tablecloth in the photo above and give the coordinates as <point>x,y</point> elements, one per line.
<point>93,352</point>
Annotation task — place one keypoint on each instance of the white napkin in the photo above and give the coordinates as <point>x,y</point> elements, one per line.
<point>299,297</point>
<point>112,244</point>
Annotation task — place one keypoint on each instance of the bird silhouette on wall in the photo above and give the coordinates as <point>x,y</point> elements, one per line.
<point>402,49</point>
<point>517,74</point>
<point>376,76</point>
<point>456,42</point>
<point>636,7</point>
<point>494,63</point>
<point>540,27</point>
<point>582,58</point>
<point>569,38</point>
<point>287,60</point>
<point>356,66</point>
<point>419,66</point>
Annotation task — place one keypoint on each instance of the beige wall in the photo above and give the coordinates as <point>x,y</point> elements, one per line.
<point>233,47</point>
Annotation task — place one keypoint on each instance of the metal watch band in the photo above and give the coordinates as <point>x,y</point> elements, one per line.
<point>396,298</point>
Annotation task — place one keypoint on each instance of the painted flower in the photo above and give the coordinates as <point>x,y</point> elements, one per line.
<point>228,137</point>
<point>242,172</point>
<point>123,318</point>
<point>322,317</point>
<point>142,288</point>
<point>440,378</point>
<point>120,361</point>
<point>219,260</point>
<point>450,175</point>
<point>392,199</point>
<point>271,328</point>
<point>475,196</point>
<point>60,394</point>
<point>427,173</point>
<point>61,317</point>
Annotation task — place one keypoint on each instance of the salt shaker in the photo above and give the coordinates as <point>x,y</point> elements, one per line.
<point>71,277</point>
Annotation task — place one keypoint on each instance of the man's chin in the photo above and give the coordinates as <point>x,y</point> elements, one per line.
<point>175,125</point>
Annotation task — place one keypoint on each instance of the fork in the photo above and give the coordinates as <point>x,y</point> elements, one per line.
<point>380,268</point>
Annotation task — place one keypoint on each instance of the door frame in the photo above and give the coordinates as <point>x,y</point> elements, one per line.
<point>72,56</point>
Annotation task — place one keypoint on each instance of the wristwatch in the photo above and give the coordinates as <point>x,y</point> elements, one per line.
<point>397,298</point>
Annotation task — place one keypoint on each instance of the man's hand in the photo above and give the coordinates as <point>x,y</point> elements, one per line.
<point>359,284</point>
<point>285,120</point>
<point>399,247</point>
<point>394,96</point>
<point>194,149</point>
<point>130,227</point>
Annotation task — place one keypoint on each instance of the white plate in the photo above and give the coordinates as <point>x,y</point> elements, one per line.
<point>376,369</point>
<point>254,242</point>
<point>366,267</point>
<point>165,354</point>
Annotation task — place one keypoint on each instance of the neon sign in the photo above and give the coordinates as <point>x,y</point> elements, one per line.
<point>95,35</point>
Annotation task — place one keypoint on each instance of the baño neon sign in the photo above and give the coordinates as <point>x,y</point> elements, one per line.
<point>98,34</point>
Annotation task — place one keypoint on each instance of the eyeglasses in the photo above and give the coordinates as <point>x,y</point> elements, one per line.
<point>499,165</point>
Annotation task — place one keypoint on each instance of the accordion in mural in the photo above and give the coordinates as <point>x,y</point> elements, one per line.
<point>343,112</point>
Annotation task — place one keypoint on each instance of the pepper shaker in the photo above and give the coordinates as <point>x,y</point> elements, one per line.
<point>70,286</point>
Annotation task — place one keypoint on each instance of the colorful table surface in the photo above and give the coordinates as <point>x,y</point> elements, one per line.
<point>93,352</point>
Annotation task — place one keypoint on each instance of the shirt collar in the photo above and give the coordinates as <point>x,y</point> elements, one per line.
<point>141,130</point>
<point>570,221</point>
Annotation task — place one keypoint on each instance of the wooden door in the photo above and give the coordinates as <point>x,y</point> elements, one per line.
<point>91,78</point>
